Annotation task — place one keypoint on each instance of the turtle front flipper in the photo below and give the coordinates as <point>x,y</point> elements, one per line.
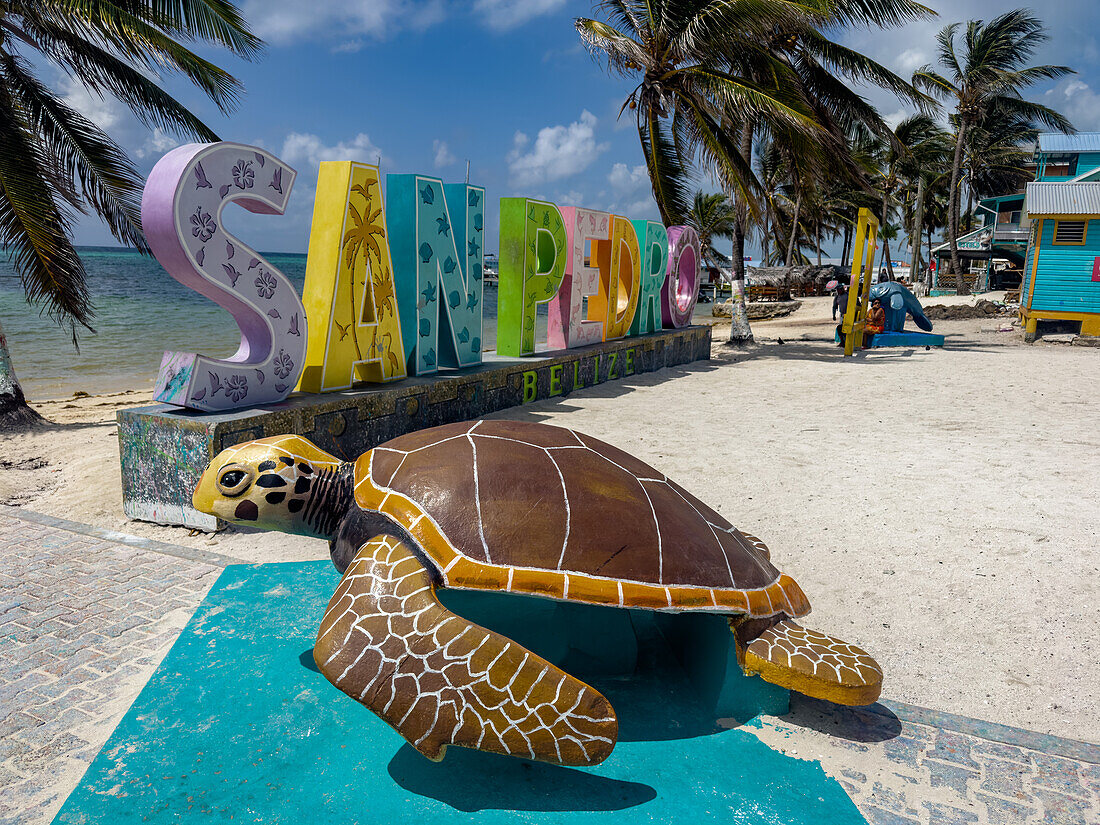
<point>440,680</point>
<point>804,660</point>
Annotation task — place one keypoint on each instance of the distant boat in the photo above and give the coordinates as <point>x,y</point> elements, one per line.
<point>491,269</point>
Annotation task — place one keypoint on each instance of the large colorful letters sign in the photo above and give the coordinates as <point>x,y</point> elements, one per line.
<point>681,288</point>
<point>356,332</point>
<point>653,239</point>
<point>619,261</point>
<point>436,232</point>
<point>533,256</point>
<point>395,288</point>
<point>569,323</point>
<point>181,213</point>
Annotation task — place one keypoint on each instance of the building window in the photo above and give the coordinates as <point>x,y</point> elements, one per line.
<point>1060,166</point>
<point>1070,232</point>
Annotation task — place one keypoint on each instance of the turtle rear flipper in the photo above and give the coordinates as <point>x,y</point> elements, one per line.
<point>804,660</point>
<point>441,680</point>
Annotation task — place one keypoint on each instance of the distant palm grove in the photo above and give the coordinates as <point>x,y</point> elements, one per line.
<point>760,101</point>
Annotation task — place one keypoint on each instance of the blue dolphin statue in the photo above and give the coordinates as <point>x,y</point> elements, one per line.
<point>899,302</point>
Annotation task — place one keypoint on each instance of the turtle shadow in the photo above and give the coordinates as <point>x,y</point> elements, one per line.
<point>472,781</point>
<point>873,723</point>
<point>306,660</point>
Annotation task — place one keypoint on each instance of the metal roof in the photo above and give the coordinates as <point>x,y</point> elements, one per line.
<point>1080,142</point>
<point>1002,198</point>
<point>1063,199</point>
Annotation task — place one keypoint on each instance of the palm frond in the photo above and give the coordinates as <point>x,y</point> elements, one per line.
<point>104,73</point>
<point>81,154</point>
<point>33,228</point>
<point>666,170</point>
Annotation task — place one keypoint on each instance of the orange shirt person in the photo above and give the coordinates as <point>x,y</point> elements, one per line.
<point>876,322</point>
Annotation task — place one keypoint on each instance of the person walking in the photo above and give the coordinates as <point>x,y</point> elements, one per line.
<point>840,299</point>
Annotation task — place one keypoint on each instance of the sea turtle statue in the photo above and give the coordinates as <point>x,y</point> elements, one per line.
<point>523,508</point>
<point>898,302</point>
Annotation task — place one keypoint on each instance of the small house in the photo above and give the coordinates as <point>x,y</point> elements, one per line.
<point>1062,268</point>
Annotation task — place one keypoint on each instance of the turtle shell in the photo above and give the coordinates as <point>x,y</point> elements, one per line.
<point>531,508</point>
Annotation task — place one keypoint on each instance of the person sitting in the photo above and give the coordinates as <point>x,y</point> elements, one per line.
<point>875,324</point>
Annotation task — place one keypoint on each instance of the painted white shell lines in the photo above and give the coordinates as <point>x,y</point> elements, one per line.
<point>440,680</point>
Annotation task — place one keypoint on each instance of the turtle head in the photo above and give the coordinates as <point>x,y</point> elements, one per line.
<point>282,483</point>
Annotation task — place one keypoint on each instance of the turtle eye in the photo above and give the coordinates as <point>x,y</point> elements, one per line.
<point>233,480</point>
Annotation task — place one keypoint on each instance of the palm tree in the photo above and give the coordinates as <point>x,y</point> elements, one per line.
<point>916,141</point>
<point>999,153</point>
<point>987,74</point>
<point>686,99</point>
<point>54,161</point>
<point>818,76</point>
<point>712,217</point>
<point>713,73</point>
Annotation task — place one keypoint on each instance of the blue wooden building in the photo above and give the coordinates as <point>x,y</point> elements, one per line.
<point>1062,269</point>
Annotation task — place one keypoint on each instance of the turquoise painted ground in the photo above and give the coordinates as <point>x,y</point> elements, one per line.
<point>237,723</point>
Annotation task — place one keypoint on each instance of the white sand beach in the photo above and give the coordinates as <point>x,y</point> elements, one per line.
<point>938,507</point>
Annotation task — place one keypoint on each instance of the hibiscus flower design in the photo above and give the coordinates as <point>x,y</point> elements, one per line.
<point>202,225</point>
<point>265,285</point>
<point>236,387</point>
<point>243,176</point>
<point>283,365</point>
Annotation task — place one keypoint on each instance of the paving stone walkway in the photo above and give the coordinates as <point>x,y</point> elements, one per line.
<point>84,622</point>
<point>904,765</point>
<point>86,617</point>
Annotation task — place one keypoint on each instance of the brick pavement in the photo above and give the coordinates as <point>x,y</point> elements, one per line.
<point>86,619</point>
<point>84,622</point>
<point>920,767</point>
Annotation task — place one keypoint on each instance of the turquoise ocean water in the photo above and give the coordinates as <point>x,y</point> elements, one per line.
<point>140,312</point>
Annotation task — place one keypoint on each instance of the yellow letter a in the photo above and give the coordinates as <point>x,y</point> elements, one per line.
<point>354,332</point>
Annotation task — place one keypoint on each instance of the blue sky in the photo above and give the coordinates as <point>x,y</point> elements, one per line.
<point>505,84</point>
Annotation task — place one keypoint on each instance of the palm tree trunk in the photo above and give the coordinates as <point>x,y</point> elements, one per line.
<point>885,240</point>
<point>931,258</point>
<point>740,330</point>
<point>15,413</point>
<point>847,244</point>
<point>953,210</point>
<point>914,237</point>
<point>794,227</point>
<point>819,243</point>
<point>766,240</point>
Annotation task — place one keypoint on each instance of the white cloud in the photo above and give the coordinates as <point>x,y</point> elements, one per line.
<point>443,155</point>
<point>558,152</point>
<point>157,144</point>
<point>563,55</point>
<point>632,191</point>
<point>286,21</point>
<point>910,60</point>
<point>1076,100</point>
<point>349,46</point>
<point>570,198</point>
<point>896,117</point>
<point>625,180</point>
<point>305,151</point>
<point>507,14</point>
<point>116,119</point>
<point>104,112</point>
